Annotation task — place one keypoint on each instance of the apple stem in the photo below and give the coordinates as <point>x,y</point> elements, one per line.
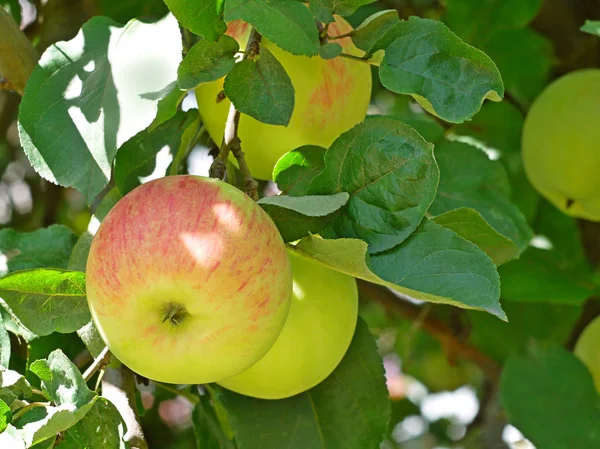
<point>175,314</point>
<point>231,141</point>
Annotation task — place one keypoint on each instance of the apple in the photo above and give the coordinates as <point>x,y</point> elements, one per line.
<point>331,96</point>
<point>315,337</point>
<point>587,349</point>
<point>188,280</point>
<point>560,144</point>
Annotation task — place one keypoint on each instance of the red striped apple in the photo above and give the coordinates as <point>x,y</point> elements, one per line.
<point>315,337</point>
<point>331,96</point>
<point>188,280</point>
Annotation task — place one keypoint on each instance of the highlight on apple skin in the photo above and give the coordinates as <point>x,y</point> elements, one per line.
<point>314,340</point>
<point>331,96</point>
<point>188,280</point>
<point>560,144</point>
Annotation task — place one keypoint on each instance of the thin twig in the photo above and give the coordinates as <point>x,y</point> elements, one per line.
<point>28,407</point>
<point>231,141</point>
<point>100,362</point>
<point>437,329</point>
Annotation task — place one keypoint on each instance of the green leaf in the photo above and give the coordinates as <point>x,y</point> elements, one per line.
<point>468,178</point>
<point>591,27</point>
<point>472,20</point>
<point>288,24</point>
<point>330,50</point>
<point>366,35</point>
<point>563,233</point>
<point>448,77</point>
<point>542,322</point>
<point>470,225</point>
<point>207,428</point>
<point>79,255</point>
<point>101,427</point>
<point>5,416</point>
<point>125,10</point>
<point>207,61</point>
<point>525,60</point>
<point>550,278</point>
<point>89,95</point>
<point>434,265</point>
<point>11,439</point>
<point>46,444</point>
<point>46,300</point>
<point>14,388</point>
<point>203,17</point>
<point>297,216</point>
<point>323,10</point>
<point>391,176</point>
<point>499,126</point>
<point>13,8</point>
<point>91,338</point>
<point>295,171</point>
<point>136,159</point>
<point>64,385</point>
<point>44,247</point>
<point>107,203</point>
<point>168,104</point>
<point>348,410</point>
<point>549,395</point>
<point>406,110</point>
<point>261,89</point>
<point>56,372</point>
<point>496,125</point>
<point>4,345</point>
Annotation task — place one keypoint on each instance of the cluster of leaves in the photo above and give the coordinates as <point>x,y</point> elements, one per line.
<point>403,200</point>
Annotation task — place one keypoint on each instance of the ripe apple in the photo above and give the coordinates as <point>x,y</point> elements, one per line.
<point>331,96</point>
<point>587,349</point>
<point>315,337</point>
<point>560,144</point>
<point>188,280</point>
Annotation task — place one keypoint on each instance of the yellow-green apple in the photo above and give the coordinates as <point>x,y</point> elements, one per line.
<point>331,96</point>
<point>188,280</point>
<point>587,349</point>
<point>315,337</point>
<point>560,144</point>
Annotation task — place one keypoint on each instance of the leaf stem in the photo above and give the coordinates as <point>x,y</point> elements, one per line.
<point>355,58</point>
<point>186,394</point>
<point>231,141</point>
<point>100,362</point>
<point>341,36</point>
<point>39,392</point>
<point>28,407</point>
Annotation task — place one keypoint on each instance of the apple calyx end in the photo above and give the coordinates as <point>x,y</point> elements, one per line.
<point>175,314</point>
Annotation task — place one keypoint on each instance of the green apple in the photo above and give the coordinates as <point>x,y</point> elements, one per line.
<point>315,337</point>
<point>188,280</point>
<point>587,349</point>
<point>560,144</point>
<point>331,96</point>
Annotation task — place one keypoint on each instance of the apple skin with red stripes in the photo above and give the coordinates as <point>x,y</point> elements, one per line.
<point>188,280</point>
<point>331,96</point>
